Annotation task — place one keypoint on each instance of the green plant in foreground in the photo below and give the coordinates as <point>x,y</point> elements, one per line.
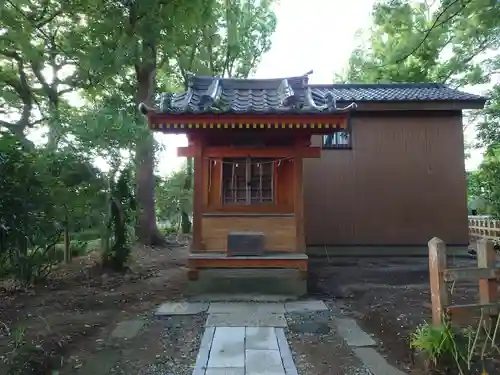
<point>462,346</point>
<point>435,342</point>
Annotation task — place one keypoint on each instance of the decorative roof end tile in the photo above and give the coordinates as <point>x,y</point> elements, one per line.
<point>286,94</point>
<point>144,109</point>
<point>211,95</point>
<point>166,102</point>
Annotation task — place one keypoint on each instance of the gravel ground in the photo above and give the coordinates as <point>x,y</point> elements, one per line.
<point>317,348</point>
<point>165,346</point>
<point>169,346</point>
<point>389,297</point>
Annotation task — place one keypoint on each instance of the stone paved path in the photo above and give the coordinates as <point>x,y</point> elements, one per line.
<point>244,351</point>
<point>248,338</point>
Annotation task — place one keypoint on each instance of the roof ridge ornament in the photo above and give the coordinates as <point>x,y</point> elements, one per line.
<point>308,73</point>
<point>189,78</point>
<point>166,101</point>
<point>144,109</point>
<point>286,94</point>
<point>330,102</point>
<point>312,103</point>
<point>211,95</point>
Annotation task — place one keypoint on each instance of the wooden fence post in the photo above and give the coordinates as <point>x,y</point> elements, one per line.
<point>487,258</point>
<point>439,292</point>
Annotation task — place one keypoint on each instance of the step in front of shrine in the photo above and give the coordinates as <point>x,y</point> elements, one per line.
<point>284,274</point>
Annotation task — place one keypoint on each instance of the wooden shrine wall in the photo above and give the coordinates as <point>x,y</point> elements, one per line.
<point>276,220</point>
<point>283,190</point>
<point>279,231</point>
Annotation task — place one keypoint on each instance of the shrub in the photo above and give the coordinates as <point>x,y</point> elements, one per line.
<point>86,235</point>
<point>122,206</point>
<point>457,350</point>
<point>168,231</point>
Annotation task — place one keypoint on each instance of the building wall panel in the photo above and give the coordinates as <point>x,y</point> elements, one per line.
<point>279,231</point>
<point>402,183</point>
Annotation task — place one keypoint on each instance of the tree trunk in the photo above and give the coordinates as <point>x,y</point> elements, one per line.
<point>147,230</point>
<point>67,244</point>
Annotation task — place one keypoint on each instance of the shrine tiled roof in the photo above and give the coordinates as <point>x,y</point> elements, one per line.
<point>296,95</point>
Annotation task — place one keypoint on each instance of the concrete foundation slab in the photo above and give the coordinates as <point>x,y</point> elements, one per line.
<point>239,297</point>
<point>249,281</point>
<point>305,306</point>
<point>352,333</point>
<point>246,320</point>
<point>181,308</point>
<point>380,251</point>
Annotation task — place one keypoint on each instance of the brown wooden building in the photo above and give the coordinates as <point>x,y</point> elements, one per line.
<point>297,165</point>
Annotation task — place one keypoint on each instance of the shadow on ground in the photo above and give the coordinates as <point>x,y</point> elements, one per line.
<point>388,296</point>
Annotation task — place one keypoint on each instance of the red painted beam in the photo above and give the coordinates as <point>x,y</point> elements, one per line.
<point>228,152</point>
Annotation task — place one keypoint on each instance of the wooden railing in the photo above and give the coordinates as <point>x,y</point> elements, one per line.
<point>486,273</point>
<point>484,227</point>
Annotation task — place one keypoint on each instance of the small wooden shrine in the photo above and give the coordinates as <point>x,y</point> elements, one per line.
<point>248,138</point>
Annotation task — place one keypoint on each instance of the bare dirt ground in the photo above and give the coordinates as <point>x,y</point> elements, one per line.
<point>65,325</point>
<point>318,349</point>
<point>388,296</point>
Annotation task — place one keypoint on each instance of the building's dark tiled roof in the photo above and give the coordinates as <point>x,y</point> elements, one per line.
<point>295,95</point>
<point>394,92</point>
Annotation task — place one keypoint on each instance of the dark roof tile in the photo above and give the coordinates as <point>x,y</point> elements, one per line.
<point>295,95</point>
<point>396,92</point>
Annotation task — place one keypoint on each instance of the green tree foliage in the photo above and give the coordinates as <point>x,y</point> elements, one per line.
<point>40,45</point>
<point>449,41</point>
<point>37,195</point>
<point>484,184</point>
<point>28,227</point>
<point>152,36</point>
<point>229,43</point>
<point>231,40</point>
<point>122,206</point>
<point>109,56</point>
<point>173,199</point>
<point>488,128</point>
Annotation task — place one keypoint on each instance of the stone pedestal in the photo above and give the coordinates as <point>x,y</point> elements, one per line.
<point>245,243</point>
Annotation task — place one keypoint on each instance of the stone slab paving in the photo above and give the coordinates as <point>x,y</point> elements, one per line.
<point>127,329</point>
<point>261,338</point>
<point>362,345</point>
<point>352,333</point>
<point>181,308</point>
<point>225,371</point>
<point>257,319</point>
<point>286,353</point>
<point>263,362</point>
<point>248,337</point>
<point>246,308</point>
<point>305,306</point>
<point>375,362</point>
<point>241,351</point>
<point>228,348</point>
